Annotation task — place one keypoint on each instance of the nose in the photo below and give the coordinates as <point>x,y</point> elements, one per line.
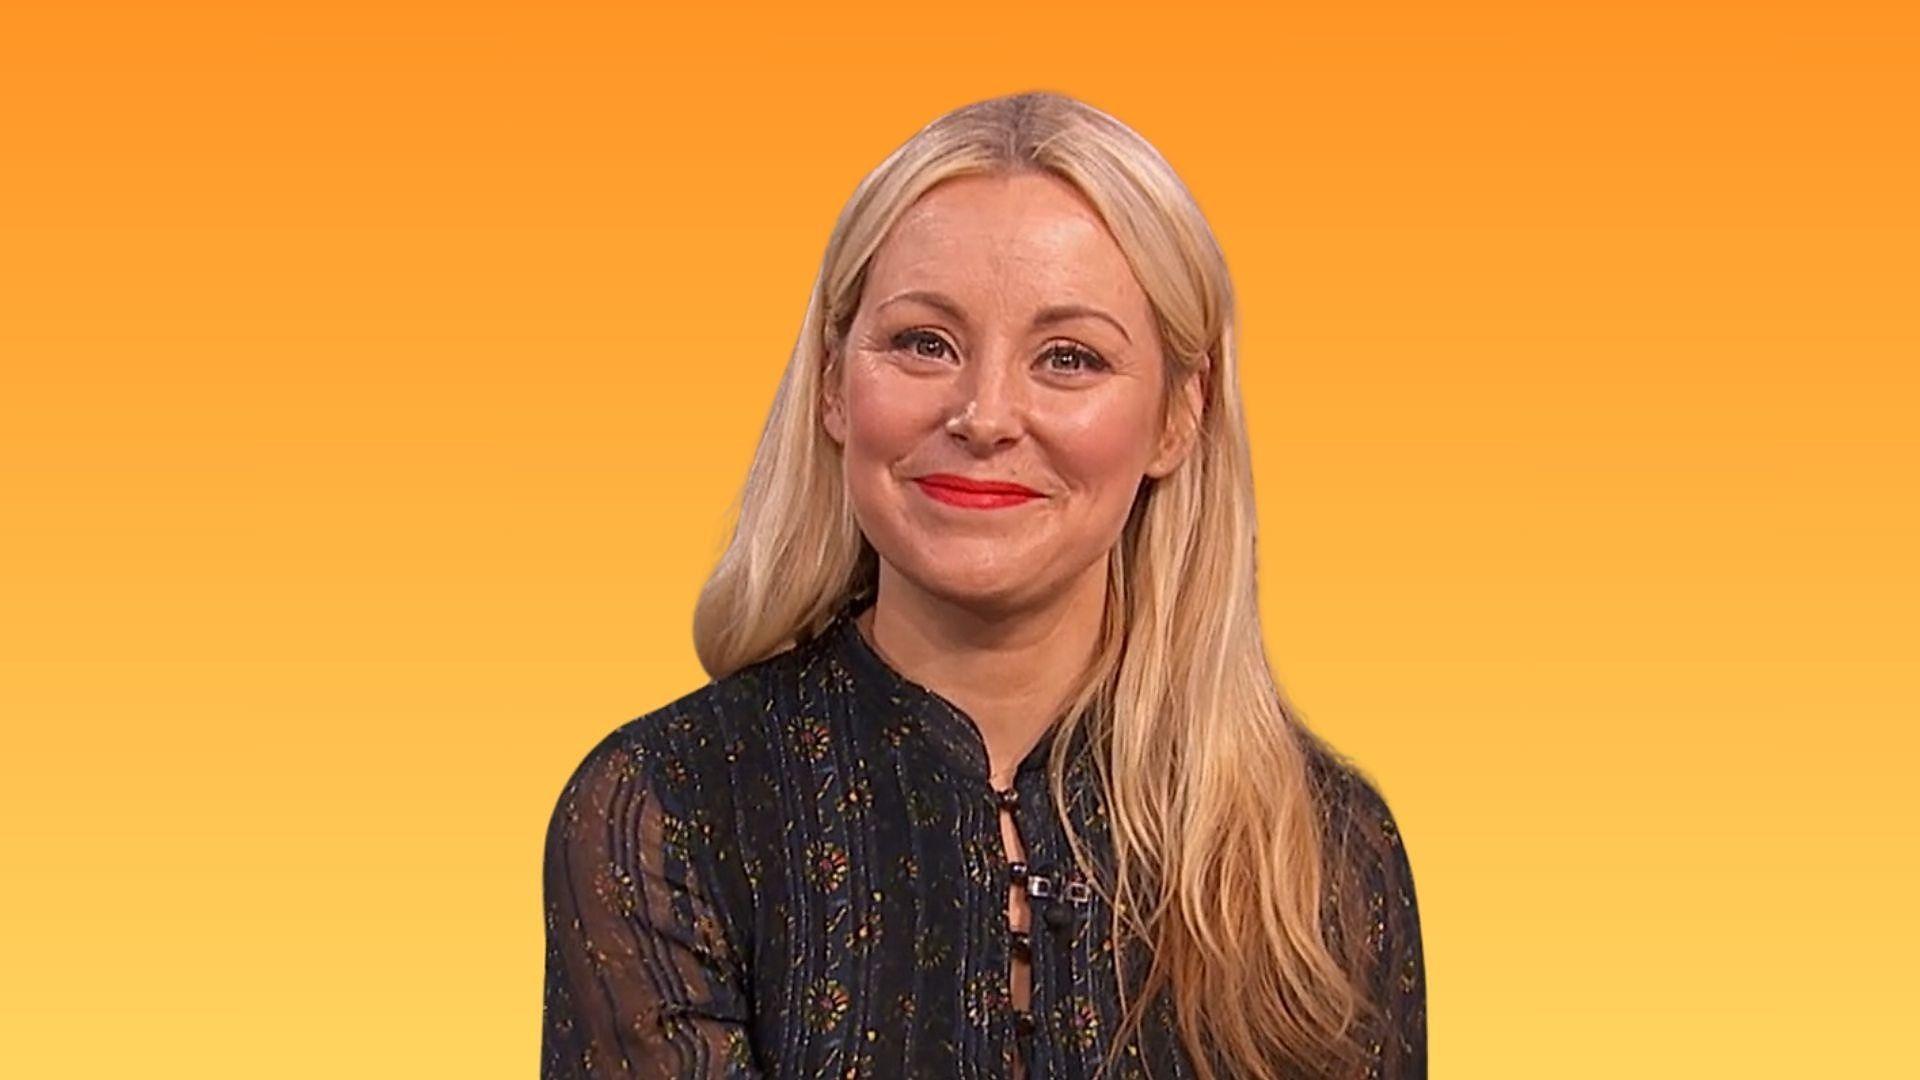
<point>991,406</point>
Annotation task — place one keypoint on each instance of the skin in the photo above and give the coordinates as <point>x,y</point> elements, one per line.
<point>998,610</point>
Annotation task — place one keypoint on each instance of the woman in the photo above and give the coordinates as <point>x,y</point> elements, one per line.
<point>992,778</point>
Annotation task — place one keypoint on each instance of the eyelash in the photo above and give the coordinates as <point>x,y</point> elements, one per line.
<point>1090,360</point>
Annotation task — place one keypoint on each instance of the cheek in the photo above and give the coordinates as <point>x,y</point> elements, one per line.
<point>878,427</point>
<point>888,416</point>
<point>1103,446</point>
<point>885,417</point>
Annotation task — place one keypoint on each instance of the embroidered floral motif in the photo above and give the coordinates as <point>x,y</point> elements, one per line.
<point>797,871</point>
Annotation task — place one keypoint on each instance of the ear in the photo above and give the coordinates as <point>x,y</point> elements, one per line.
<point>833,412</point>
<point>1183,425</point>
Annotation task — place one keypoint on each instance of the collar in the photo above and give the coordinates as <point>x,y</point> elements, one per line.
<point>911,711</point>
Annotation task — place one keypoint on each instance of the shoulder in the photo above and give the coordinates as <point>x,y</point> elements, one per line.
<point>1371,912</point>
<point>667,797</point>
<point>1350,802</point>
<point>652,816</point>
<point>1364,847</point>
<point>686,752</point>
<point>1370,894</point>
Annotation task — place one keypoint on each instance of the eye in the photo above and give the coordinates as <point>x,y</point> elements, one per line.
<point>911,339</point>
<point>1088,359</point>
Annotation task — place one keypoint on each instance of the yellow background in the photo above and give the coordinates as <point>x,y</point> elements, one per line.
<point>378,377</point>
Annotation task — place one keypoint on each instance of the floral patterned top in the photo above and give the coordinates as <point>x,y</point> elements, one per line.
<point>798,871</point>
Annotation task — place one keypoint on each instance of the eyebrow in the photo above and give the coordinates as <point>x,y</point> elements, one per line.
<point>1046,316</point>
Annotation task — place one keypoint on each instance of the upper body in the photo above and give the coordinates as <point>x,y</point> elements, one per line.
<point>997,537</point>
<point>797,871</point>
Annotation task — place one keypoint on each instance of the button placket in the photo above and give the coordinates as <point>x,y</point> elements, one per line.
<point>1020,937</point>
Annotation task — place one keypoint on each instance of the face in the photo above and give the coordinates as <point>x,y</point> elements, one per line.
<point>1001,337</point>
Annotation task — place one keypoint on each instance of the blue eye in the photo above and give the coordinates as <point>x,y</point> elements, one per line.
<point>912,342</point>
<point>908,339</point>
<point>1089,360</point>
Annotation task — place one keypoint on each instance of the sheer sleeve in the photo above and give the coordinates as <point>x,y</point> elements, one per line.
<point>1382,916</point>
<point>641,981</point>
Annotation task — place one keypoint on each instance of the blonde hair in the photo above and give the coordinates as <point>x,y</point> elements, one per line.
<point>1203,763</point>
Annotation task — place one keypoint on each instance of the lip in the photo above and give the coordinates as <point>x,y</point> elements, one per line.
<point>966,483</point>
<point>974,494</point>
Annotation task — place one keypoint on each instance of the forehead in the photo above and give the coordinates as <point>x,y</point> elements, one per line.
<point>1026,234</point>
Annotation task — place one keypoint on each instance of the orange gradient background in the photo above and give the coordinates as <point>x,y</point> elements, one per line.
<point>378,379</point>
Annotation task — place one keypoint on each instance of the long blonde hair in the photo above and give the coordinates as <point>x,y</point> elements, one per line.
<point>1203,763</point>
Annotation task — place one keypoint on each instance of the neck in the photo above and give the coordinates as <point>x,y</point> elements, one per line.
<point>1009,670</point>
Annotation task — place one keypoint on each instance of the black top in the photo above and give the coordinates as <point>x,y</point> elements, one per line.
<point>798,871</point>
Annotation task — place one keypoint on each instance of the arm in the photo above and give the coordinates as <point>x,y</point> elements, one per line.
<point>1397,976</point>
<point>641,981</point>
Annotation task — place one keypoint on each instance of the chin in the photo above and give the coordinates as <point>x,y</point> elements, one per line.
<point>985,590</point>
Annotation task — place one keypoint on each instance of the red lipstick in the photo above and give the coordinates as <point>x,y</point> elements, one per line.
<point>974,494</point>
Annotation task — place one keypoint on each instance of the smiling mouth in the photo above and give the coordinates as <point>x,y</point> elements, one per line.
<point>975,496</point>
